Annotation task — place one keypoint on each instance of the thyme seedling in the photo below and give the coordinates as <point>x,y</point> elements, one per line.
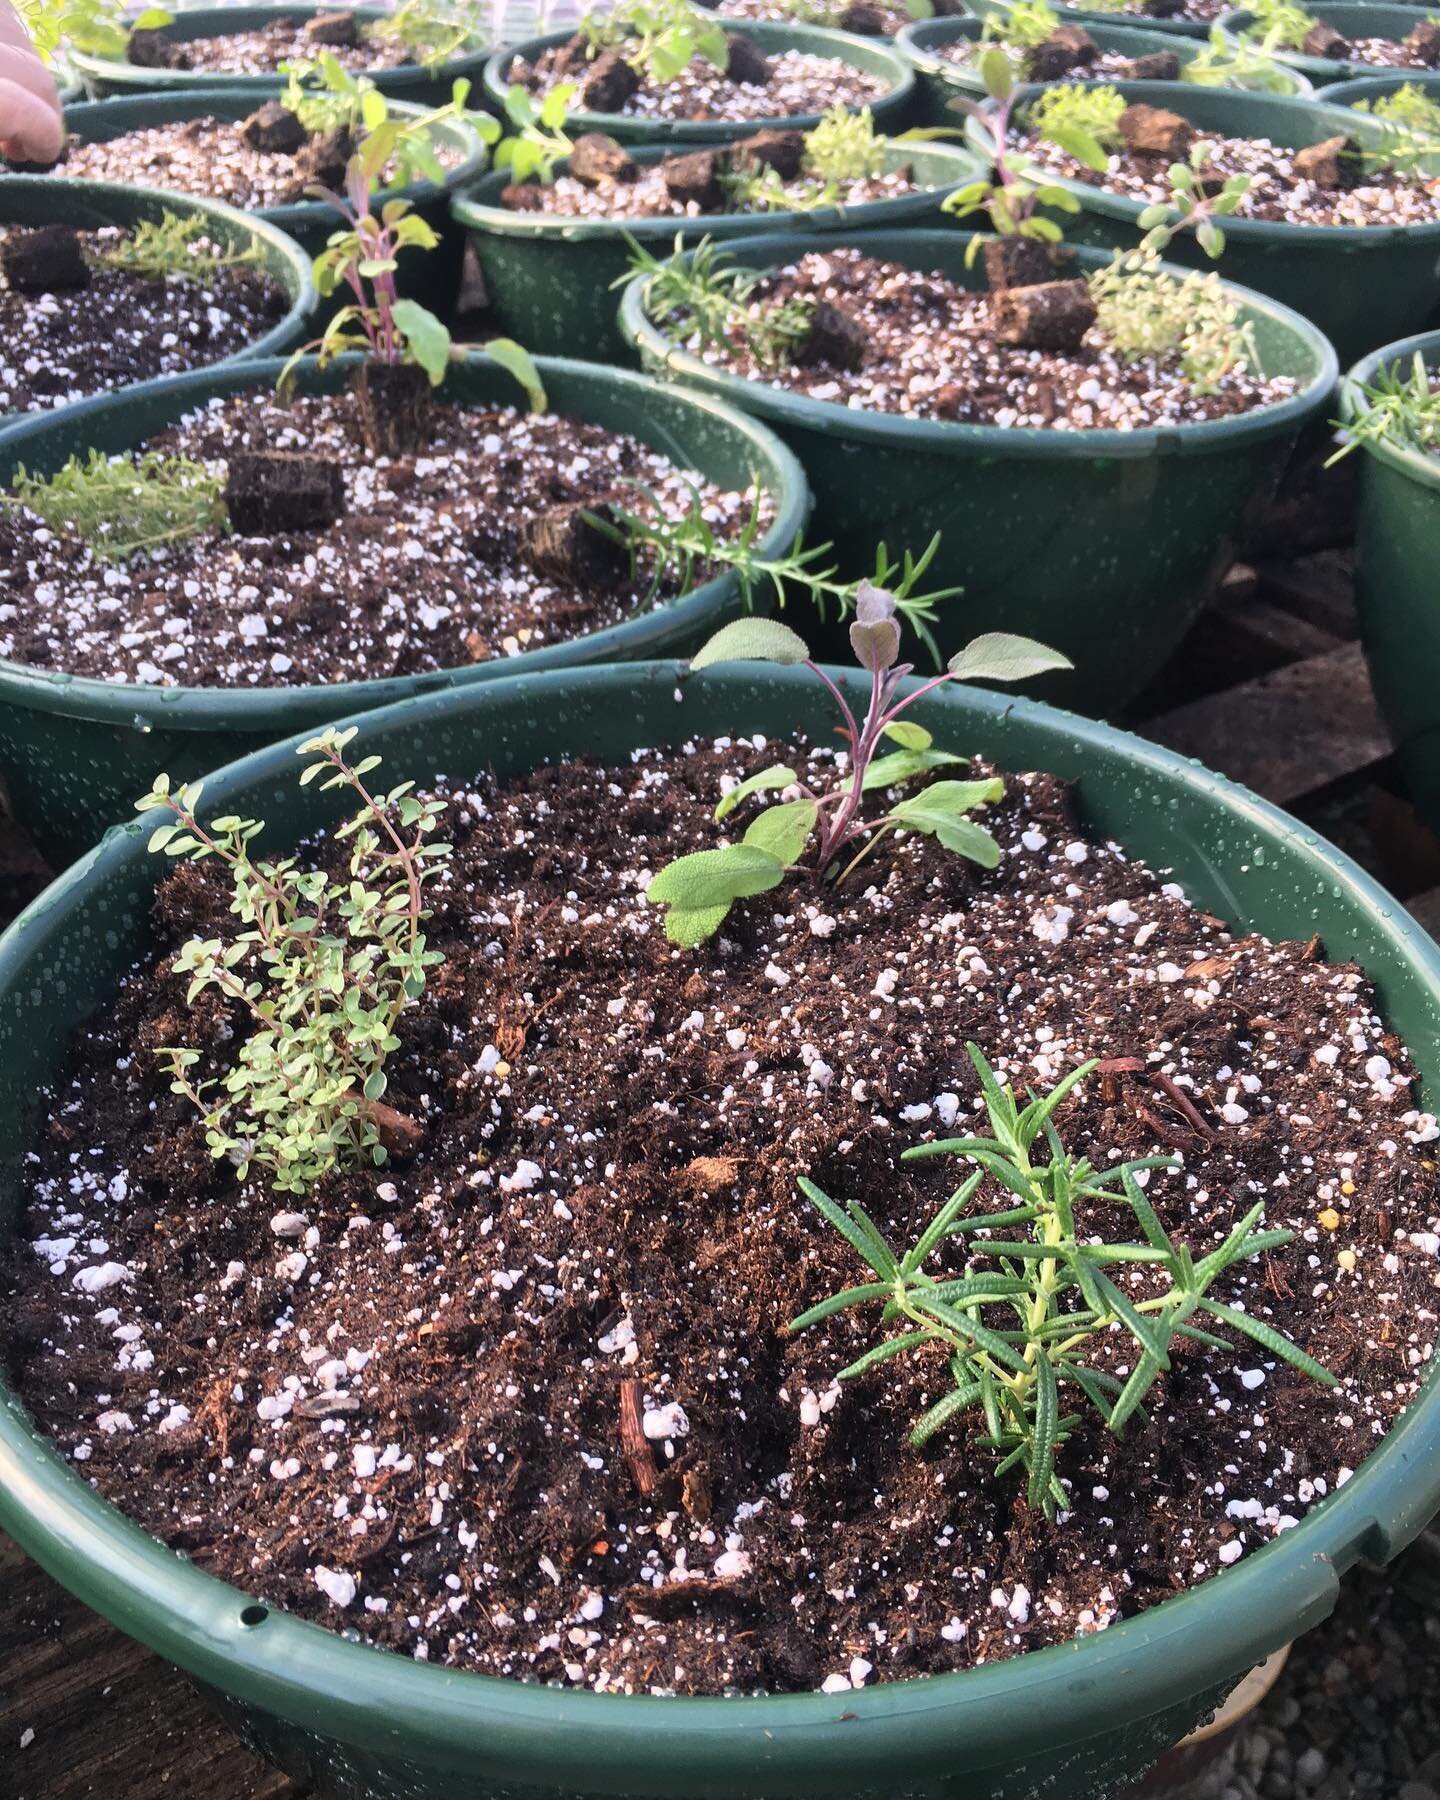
<point>1082,119</point>
<point>842,149</point>
<point>1279,25</point>
<point>125,508</point>
<point>693,289</point>
<point>321,973</point>
<point>698,890</point>
<point>1023,26</point>
<point>1020,1326</point>
<point>172,246</point>
<point>1147,312</point>
<point>658,38</point>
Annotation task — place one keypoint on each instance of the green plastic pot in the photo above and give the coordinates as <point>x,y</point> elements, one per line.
<point>1068,1723</point>
<point>891,111</point>
<point>939,81</point>
<point>430,276</point>
<point>408,81</point>
<point>1397,541</point>
<point>74,752</point>
<point>1352,18</point>
<point>1103,543</point>
<point>1314,268</point>
<point>548,279</point>
<point>88,205</point>
<point>1090,17</point>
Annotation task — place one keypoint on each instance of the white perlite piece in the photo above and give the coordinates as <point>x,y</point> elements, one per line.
<point>337,1587</point>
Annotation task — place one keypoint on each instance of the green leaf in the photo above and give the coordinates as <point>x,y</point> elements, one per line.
<point>908,735</point>
<point>940,811</point>
<point>883,1353</point>
<point>1080,144</point>
<point>425,337</point>
<point>1002,656</point>
<point>942,1412</point>
<point>752,640</point>
<point>902,765</point>
<point>861,1242</point>
<point>713,877</point>
<point>1270,1339</point>
<point>518,363</point>
<point>776,776</point>
<point>783,831</point>
<point>1047,1420</point>
<point>855,1296</point>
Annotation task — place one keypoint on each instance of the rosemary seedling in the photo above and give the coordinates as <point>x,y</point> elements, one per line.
<point>1400,409</point>
<point>695,292</point>
<point>321,973</point>
<point>1021,1323</point>
<point>680,549</point>
<point>172,247</point>
<point>699,890</point>
<point>124,508</point>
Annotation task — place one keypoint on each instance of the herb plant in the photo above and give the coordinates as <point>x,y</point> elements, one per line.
<point>843,148</point>
<point>432,31</point>
<point>125,508</point>
<point>1145,311</point>
<point>537,139</point>
<point>363,257</point>
<point>1409,107</point>
<point>1081,118</point>
<point>42,25</point>
<point>1242,62</point>
<point>713,301</point>
<point>698,890</point>
<point>1017,188</point>
<point>322,971</point>
<point>1400,409</point>
<point>1021,1324</point>
<point>104,27</point>
<point>1023,26</point>
<point>326,96</point>
<point>681,547</point>
<point>172,246</point>
<point>658,38</point>
<point>1279,24</point>
<point>1191,206</point>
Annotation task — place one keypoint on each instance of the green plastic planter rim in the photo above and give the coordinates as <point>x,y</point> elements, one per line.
<point>941,437</point>
<point>914,42</point>
<point>239,709</point>
<point>474,209</point>
<point>300,215</point>
<point>1305,112</point>
<point>1401,457</point>
<point>871,54</point>
<point>103,68</point>
<point>1373,87</point>
<point>1240,18</point>
<point>304,1673</point>
<point>298,280</point>
<point>1196,30</point>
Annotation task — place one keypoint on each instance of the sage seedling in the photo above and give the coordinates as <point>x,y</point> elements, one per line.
<point>321,973</point>
<point>1020,1325</point>
<point>698,890</point>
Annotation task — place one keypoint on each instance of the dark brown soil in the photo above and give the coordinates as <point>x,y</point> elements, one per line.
<point>426,569</point>
<point>1379,196</point>
<point>205,156</point>
<point>798,83</point>
<point>402,1412</point>
<point>262,51</point>
<point>122,328</point>
<point>930,352</point>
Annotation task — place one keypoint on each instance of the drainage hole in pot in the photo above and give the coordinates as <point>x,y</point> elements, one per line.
<point>254,1615</point>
